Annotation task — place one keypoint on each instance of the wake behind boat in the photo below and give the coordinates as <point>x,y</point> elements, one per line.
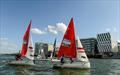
<point>26,55</point>
<point>71,53</point>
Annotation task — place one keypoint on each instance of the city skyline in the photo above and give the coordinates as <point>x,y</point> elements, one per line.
<point>51,18</point>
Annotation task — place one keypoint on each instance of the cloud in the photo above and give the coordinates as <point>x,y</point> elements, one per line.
<point>59,27</point>
<point>37,31</point>
<point>118,40</point>
<point>114,29</point>
<point>107,29</point>
<point>3,38</point>
<point>7,47</point>
<point>52,29</point>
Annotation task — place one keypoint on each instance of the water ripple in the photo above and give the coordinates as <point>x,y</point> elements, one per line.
<point>98,67</point>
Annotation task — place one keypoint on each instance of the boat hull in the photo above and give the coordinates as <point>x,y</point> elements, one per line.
<point>74,65</point>
<point>21,63</point>
<point>47,62</point>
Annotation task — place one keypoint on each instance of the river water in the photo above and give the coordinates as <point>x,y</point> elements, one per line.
<point>98,67</point>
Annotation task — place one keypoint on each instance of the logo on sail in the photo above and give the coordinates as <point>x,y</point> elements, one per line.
<point>66,42</point>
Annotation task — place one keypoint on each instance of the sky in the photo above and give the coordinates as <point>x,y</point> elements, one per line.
<point>50,19</point>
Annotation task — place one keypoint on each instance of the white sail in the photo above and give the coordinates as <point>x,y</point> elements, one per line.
<point>81,55</point>
<point>42,54</point>
<point>51,55</point>
<point>30,49</point>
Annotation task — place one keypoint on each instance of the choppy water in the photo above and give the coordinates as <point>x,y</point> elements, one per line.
<point>98,67</point>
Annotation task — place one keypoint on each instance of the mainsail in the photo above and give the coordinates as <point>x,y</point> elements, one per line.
<point>26,41</point>
<point>68,45</point>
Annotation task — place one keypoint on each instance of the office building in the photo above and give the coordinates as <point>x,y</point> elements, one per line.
<point>106,44</point>
<point>119,47</point>
<point>39,46</point>
<point>90,45</point>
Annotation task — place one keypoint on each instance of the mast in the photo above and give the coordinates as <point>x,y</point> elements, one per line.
<point>54,46</point>
<point>53,52</point>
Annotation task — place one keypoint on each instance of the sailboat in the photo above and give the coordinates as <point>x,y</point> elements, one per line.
<point>26,55</point>
<point>72,51</point>
<point>46,63</point>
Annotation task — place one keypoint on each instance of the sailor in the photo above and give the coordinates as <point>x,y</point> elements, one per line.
<point>71,60</point>
<point>18,57</point>
<point>62,59</point>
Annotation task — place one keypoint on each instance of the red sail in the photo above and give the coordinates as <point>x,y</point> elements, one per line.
<point>68,45</point>
<point>25,41</point>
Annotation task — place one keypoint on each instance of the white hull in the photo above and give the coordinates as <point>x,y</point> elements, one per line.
<point>77,65</point>
<point>55,63</point>
<point>44,63</point>
<point>55,60</point>
<point>47,62</point>
<point>21,63</point>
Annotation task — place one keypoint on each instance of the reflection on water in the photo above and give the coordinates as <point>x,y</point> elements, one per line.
<point>39,71</point>
<point>32,70</point>
<point>74,72</point>
<point>105,66</point>
<point>114,67</point>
